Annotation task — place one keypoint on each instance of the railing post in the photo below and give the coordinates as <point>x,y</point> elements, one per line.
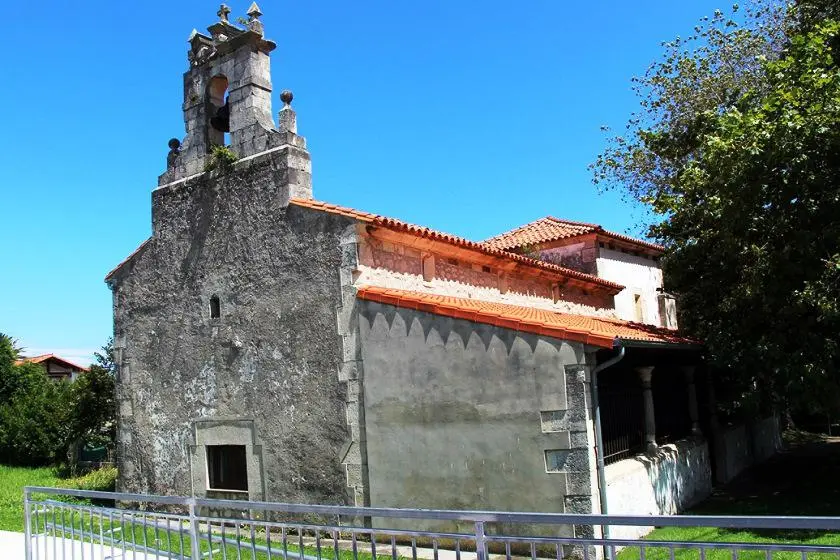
<point>480,550</point>
<point>194,543</point>
<point>27,524</point>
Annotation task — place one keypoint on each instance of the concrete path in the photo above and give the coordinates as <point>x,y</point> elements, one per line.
<point>11,548</point>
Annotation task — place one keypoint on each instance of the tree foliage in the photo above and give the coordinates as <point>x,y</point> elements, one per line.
<point>31,411</point>
<point>43,421</point>
<point>707,71</point>
<point>744,174</point>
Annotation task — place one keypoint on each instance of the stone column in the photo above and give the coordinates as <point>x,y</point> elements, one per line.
<point>646,373</point>
<point>692,400</point>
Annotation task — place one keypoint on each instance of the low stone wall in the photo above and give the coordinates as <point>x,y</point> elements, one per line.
<point>737,452</point>
<point>739,447</point>
<point>675,478</point>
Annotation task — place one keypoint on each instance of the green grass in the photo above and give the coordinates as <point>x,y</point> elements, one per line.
<point>12,481</point>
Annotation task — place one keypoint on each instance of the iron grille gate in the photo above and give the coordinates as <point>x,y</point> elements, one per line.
<point>165,527</point>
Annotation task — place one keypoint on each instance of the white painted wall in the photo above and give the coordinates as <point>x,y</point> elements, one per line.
<point>640,276</point>
<point>677,477</point>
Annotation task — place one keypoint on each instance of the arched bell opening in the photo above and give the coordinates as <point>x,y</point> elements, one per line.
<point>218,111</point>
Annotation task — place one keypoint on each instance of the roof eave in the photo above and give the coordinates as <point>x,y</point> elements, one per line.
<point>662,345</point>
<point>111,276</point>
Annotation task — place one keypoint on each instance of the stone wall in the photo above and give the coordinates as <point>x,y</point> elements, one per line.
<point>463,415</point>
<point>678,476</point>
<point>270,360</point>
<point>739,447</point>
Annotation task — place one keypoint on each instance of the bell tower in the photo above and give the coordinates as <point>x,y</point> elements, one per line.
<point>227,102</point>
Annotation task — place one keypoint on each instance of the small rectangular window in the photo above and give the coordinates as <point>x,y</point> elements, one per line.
<point>486,269</point>
<point>227,468</point>
<point>637,300</point>
<point>452,261</point>
<point>215,307</point>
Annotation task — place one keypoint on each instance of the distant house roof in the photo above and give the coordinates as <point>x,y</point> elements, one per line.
<point>548,229</point>
<point>589,330</point>
<point>45,357</point>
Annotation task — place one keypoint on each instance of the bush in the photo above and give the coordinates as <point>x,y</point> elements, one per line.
<point>101,480</point>
<point>221,158</point>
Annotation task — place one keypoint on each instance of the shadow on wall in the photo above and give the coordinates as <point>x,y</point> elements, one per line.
<point>674,478</point>
<point>680,475</point>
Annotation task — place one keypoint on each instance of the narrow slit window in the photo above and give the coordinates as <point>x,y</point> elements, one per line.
<point>637,301</point>
<point>227,468</point>
<point>215,307</point>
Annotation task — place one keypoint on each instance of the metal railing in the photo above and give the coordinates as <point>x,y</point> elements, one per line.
<point>622,421</point>
<point>140,527</point>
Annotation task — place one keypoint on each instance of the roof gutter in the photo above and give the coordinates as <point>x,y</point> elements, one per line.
<point>632,343</point>
<point>599,438</point>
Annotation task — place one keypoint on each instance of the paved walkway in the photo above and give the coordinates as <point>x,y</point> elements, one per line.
<point>11,548</point>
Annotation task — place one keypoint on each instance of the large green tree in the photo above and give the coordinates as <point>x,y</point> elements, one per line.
<point>743,179</point>
<point>91,413</point>
<point>32,411</point>
<point>44,421</point>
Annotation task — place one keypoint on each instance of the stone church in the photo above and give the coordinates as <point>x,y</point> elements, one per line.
<point>272,346</point>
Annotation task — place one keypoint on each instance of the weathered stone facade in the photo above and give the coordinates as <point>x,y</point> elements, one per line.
<point>272,354</point>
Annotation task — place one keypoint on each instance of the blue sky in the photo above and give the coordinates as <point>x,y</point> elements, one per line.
<point>469,117</point>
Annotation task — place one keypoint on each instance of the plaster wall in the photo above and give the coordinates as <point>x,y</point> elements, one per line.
<point>271,358</point>
<point>640,275</point>
<point>394,266</point>
<point>463,415</point>
<point>678,476</point>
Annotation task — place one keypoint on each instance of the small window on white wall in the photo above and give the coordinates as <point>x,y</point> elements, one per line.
<point>637,301</point>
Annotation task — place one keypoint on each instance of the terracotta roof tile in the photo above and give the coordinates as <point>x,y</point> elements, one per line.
<point>44,357</point>
<point>590,330</point>
<point>428,233</point>
<point>550,229</point>
<point>420,231</point>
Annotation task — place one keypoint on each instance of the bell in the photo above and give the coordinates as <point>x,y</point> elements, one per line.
<point>221,121</point>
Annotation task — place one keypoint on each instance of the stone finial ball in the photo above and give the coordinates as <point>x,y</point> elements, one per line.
<point>174,143</point>
<point>286,96</point>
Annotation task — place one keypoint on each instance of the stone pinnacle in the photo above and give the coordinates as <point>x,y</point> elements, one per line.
<point>254,11</point>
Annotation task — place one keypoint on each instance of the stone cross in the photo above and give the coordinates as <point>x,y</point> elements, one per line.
<point>223,13</point>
